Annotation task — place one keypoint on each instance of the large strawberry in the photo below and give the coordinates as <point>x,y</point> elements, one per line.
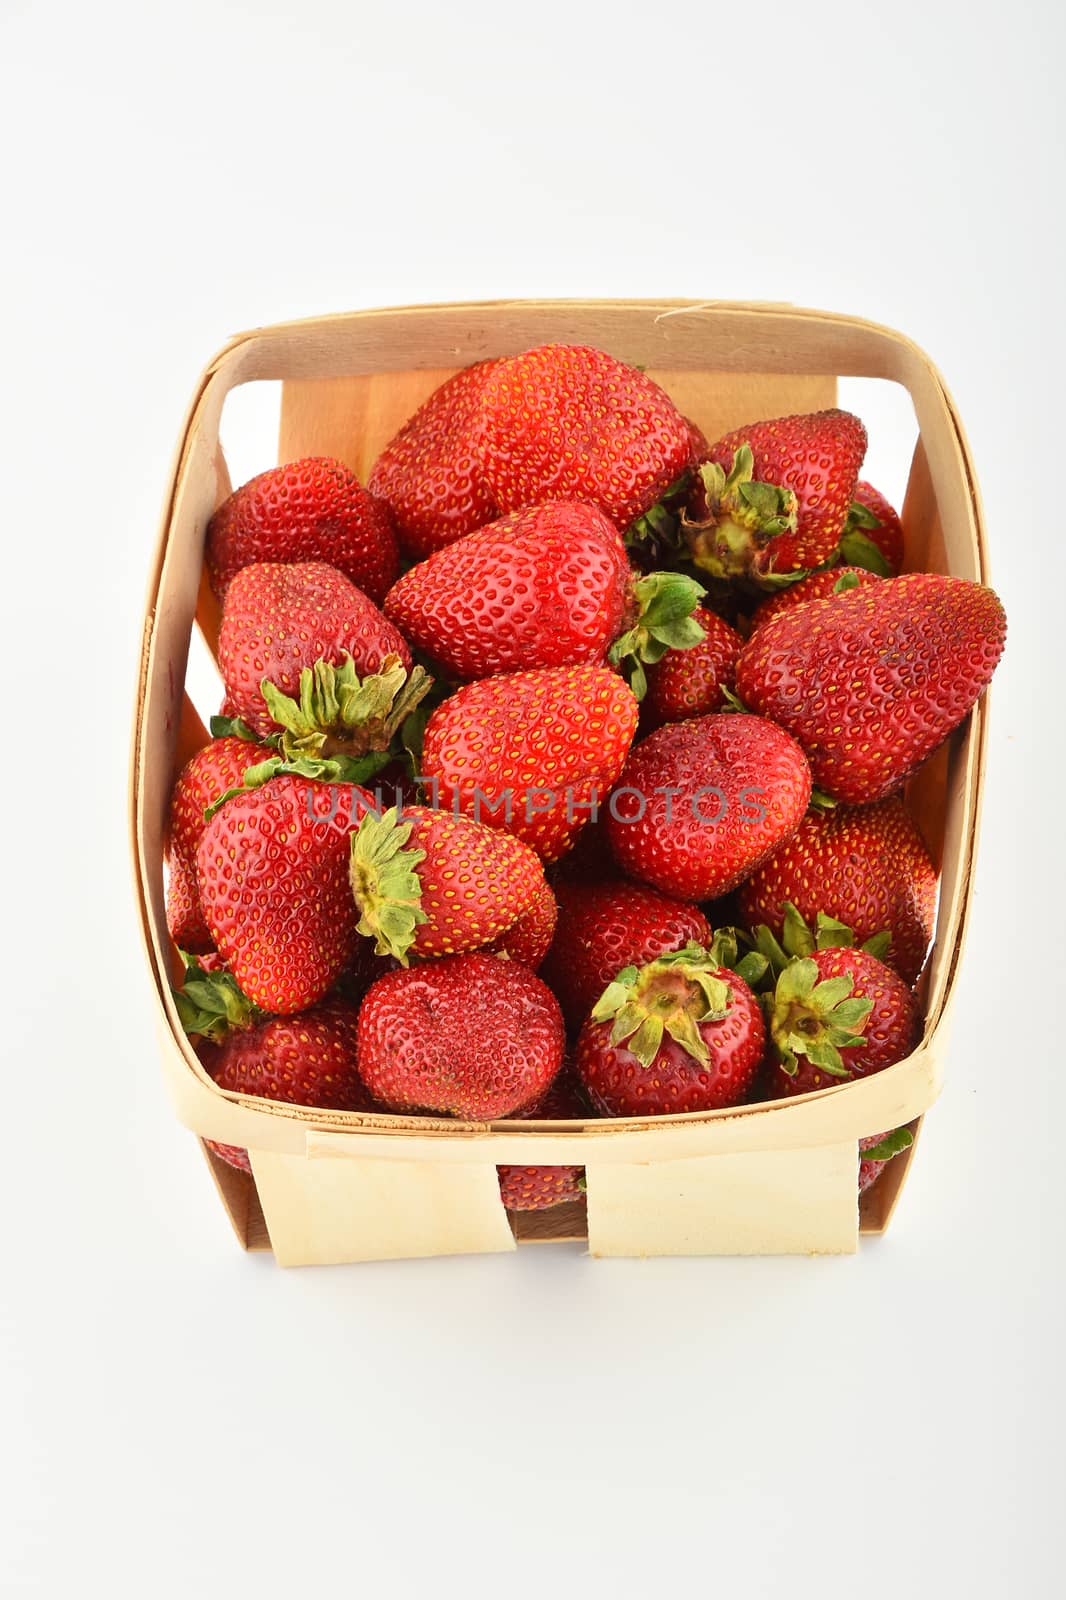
<point>529,937</point>
<point>701,803</point>
<point>867,866</point>
<point>873,533</point>
<point>691,682</point>
<point>311,510</point>
<point>872,681</point>
<point>279,620</point>
<point>430,474</point>
<point>215,769</point>
<point>431,884</point>
<point>605,926</point>
<point>772,498</point>
<point>473,1036</point>
<point>272,866</point>
<point>566,422</point>
<point>531,752</point>
<point>836,1015</point>
<point>680,1034</point>
<point>815,586</point>
<point>540,1188</point>
<point>549,586</point>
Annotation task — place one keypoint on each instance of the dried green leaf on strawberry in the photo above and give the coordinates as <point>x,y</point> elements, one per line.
<point>431,884</point>
<point>873,533</point>
<point>836,1015</point>
<point>770,501</point>
<point>679,1034</point>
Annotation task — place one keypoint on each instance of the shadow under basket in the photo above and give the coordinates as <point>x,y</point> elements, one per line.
<point>771,1178</point>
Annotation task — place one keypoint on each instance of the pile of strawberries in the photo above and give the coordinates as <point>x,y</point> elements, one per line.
<point>560,769</point>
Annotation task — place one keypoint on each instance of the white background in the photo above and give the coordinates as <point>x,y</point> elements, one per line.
<point>177,1418</point>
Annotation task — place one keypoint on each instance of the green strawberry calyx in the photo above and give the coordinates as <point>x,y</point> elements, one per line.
<point>816,1019</point>
<point>211,1005</point>
<point>889,1145</point>
<point>232,728</point>
<point>741,517</point>
<point>385,883</point>
<point>663,604</point>
<point>672,996</point>
<point>341,729</point>
<point>798,938</point>
<point>340,714</point>
<point>856,548</point>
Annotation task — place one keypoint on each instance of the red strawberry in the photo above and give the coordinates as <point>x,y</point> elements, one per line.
<point>838,1015</point>
<point>312,510</point>
<point>867,866</point>
<point>539,1188</point>
<point>531,752</point>
<point>701,803</point>
<point>873,533</point>
<point>472,1036</point>
<point>690,683</point>
<point>219,766</point>
<point>871,682</point>
<point>279,620</point>
<point>566,422</point>
<point>680,1034</point>
<point>816,586</point>
<point>430,476</point>
<point>772,497</point>
<point>273,872</point>
<point>546,587</point>
<point>529,938</point>
<point>431,884</point>
<point>232,1154</point>
<point>185,919</point>
<point>606,926</point>
<point>877,1151</point>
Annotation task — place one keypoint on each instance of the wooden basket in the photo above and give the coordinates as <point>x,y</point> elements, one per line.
<point>771,1178</point>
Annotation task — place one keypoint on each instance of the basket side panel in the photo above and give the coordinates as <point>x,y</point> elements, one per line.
<point>323,1212</point>
<point>794,1202</point>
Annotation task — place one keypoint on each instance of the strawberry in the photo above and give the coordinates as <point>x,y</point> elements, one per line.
<point>430,475</point>
<point>609,925</point>
<point>208,775</point>
<point>431,884</point>
<point>868,866</point>
<point>700,804</point>
<point>690,682</point>
<point>549,586</point>
<point>308,1060</point>
<point>232,1154</point>
<point>539,1188</point>
<point>529,937</point>
<point>566,422</point>
<point>473,1036</point>
<point>771,499</point>
<point>680,1034</point>
<point>871,682</point>
<point>279,620</point>
<point>815,586</point>
<point>877,1151</point>
<point>273,872</point>
<point>873,533</point>
<point>311,510</point>
<point>836,1015</point>
<point>531,752</point>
